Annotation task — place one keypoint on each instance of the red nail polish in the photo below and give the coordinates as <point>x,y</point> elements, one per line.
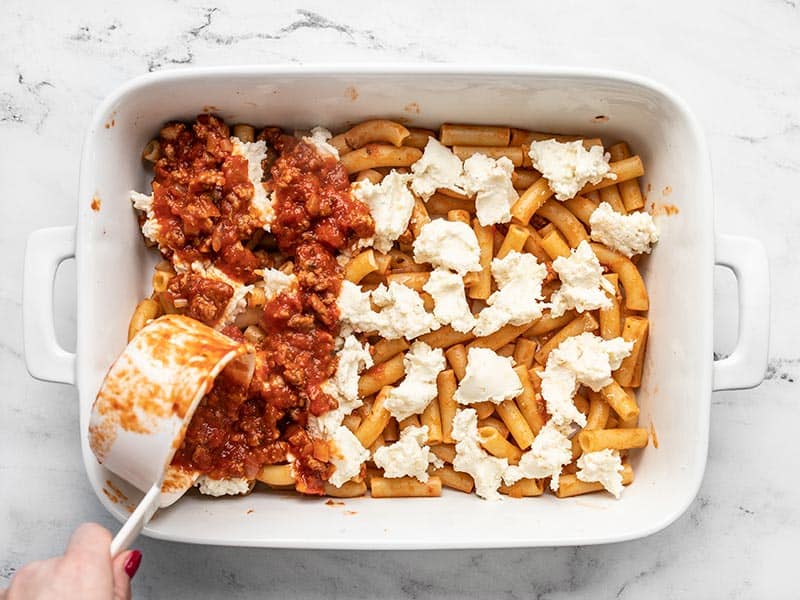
<point>132,564</point>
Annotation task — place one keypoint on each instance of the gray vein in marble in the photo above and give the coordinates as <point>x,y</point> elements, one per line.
<point>636,578</point>
<point>701,503</point>
<point>209,12</point>
<point>789,130</point>
<point>8,349</point>
<point>87,34</point>
<point>783,369</point>
<point>10,102</point>
<point>309,20</point>
<point>9,111</point>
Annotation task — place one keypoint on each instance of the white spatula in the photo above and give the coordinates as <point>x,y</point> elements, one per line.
<point>145,404</point>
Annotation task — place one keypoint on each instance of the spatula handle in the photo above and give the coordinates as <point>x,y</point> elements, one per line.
<point>136,522</point>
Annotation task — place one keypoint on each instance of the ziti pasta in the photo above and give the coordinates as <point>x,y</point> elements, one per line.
<point>420,310</point>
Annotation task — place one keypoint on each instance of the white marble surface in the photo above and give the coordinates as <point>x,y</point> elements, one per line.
<point>736,63</point>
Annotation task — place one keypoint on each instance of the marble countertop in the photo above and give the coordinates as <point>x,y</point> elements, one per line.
<point>735,63</point>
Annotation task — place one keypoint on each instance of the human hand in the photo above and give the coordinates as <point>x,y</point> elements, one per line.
<point>85,572</point>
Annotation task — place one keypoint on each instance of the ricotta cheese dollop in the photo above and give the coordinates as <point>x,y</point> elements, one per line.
<point>583,286</point>
<point>347,456</point>
<point>629,234</point>
<point>585,359</point>
<point>407,457</point>
<point>569,166</point>
<point>355,309</point>
<point>604,467</point>
<point>450,300</point>
<point>518,298</point>
<point>488,376</point>
<point>422,364</point>
<point>319,139</point>
<point>390,202</point>
<point>402,311</point>
<point>276,282</point>
<point>353,357</point>
<point>144,203</point>
<point>448,244</point>
<point>490,181</point>
<point>486,470</point>
<point>223,487</point>
<point>261,205</point>
<point>437,168</point>
<point>550,451</point>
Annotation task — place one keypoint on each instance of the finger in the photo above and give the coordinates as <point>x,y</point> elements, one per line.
<point>91,540</point>
<point>124,568</point>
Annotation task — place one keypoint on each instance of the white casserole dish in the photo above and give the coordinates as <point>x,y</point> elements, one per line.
<point>114,269</point>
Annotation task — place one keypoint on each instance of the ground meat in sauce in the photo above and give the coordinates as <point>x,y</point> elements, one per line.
<point>206,298</point>
<point>313,199</point>
<point>237,428</point>
<point>232,434</point>
<point>202,197</point>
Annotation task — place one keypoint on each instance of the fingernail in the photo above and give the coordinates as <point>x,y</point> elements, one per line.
<point>132,564</point>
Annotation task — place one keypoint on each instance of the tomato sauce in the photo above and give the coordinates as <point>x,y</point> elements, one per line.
<point>202,197</point>
<point>202,202</point>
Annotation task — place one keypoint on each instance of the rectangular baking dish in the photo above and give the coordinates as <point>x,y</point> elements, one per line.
<point>114,269</point>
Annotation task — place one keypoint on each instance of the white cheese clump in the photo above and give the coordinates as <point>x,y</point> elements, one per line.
<point>422,364</point>
<point>438,168</point>
<point>569,166</point>
<point>353,358</point>
<point>450,300</point>
<point>144,202</point>
<point>276,282</point>
<point>490,180</point>
<point>326,424</point>
<point>319,139</point>
<point>486,470</point>
<point>390,203</point>
<point>402,311</point>
<point>347,456</point>
<point>583,286</point>
<point>236,305</point>
<point>629,234</point>
<point>550,451</point>
<point>355,309</point>
<point>488,376</point>
<point>261,204</point>
<point>605,467</point>
<point>449,245</point>
<point>223,487</point>
<point>519,280</point>
<point>343,386</point>
<point>409,456</point>
<point>585,359</point>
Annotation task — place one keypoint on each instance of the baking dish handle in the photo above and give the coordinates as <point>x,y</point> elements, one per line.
<point>747,364</point>
<point>44,357</point>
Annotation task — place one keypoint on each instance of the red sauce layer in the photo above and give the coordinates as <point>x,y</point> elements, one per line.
<point>313,199</point>
<point>245,423</point>
<point>202,197</point>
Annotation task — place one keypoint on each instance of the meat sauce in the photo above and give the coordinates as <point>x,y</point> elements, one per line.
<point>201,199</point>
<point>202,196</point>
